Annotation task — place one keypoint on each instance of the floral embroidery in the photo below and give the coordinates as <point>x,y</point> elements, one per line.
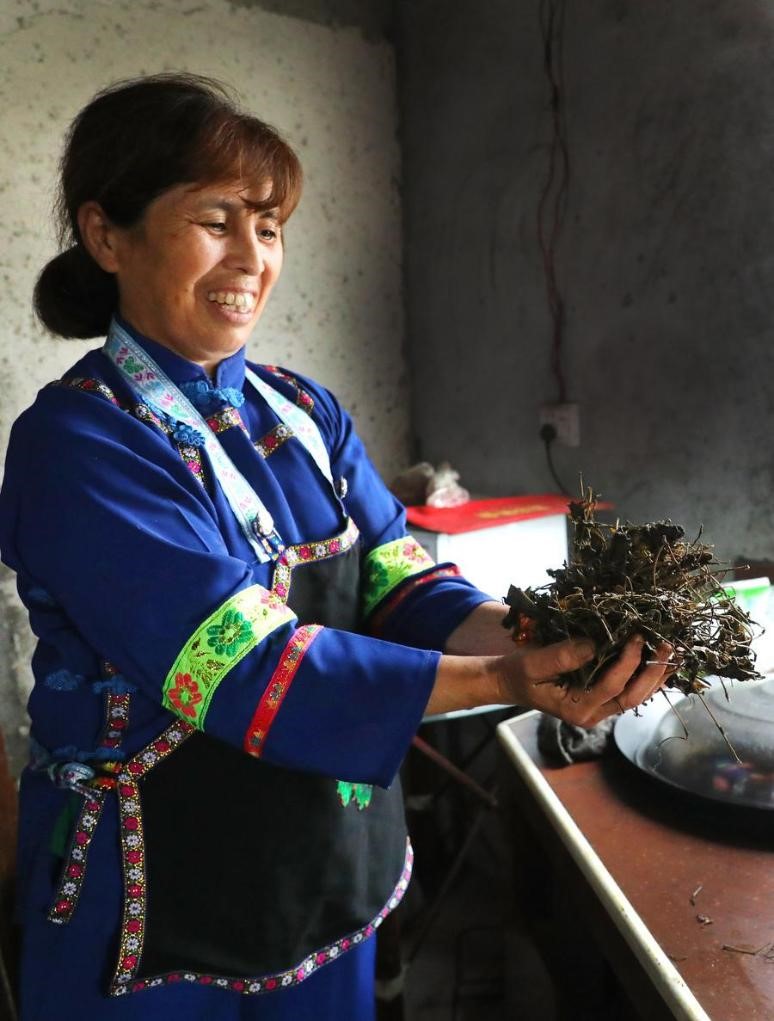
<point>91,385</point>
<point>194,462</point>
<point>133,850</point>
<point>185,696</point>
<point>232,631</point>
<point>134,917</point>
<point>277,688</point>
<point>225,419</point>
<point>94,790</point>
<point>74,871</point>
<point>219,643</point>
<point>306,552</point>
<point>388,565</point>
<point>273,439</point>
<point>361,792</point>
<point>132,366</point>
<point>384,611</point>
<point>146,414</point>
<point>303,399</point>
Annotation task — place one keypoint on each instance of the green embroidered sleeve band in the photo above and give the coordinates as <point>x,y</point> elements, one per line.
<point>219,644</point>
<point>387,566</point>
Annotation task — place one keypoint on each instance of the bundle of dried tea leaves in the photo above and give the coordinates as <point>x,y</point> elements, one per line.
<point>627,579</point>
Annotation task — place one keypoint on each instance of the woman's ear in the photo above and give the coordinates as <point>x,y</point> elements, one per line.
<point>99,236</point>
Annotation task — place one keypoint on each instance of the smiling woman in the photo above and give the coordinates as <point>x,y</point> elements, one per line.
<point>173,140</point>
<point>197,271</point>
<point>237,638</point>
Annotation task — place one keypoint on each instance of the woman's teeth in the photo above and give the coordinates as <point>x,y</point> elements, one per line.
<point>237,299</point>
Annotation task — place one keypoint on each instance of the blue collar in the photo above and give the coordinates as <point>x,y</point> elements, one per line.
<point>229,373</point>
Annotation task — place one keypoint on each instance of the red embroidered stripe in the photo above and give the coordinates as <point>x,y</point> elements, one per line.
<point>381,615</point>
<point>226,418</point>
<point>277,687</point>
<point>273,440</point>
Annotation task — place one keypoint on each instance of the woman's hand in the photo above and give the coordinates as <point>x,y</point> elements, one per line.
<point>528,678</point>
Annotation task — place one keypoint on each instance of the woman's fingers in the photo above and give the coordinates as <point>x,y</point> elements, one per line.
<point>547,662</point>
<point>623,685</point>
<point>639,687</point>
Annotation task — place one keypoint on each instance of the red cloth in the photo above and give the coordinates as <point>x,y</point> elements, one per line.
<point>476,514</point>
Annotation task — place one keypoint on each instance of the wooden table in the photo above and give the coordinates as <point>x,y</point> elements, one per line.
<point>665,885</point>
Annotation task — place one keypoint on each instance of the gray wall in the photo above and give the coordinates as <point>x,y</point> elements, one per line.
<point>666,260</point>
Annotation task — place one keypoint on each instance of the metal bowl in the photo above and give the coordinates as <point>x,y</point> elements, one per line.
<point>681,745</point>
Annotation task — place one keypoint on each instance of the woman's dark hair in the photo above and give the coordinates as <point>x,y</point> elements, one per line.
<point>134,141</point>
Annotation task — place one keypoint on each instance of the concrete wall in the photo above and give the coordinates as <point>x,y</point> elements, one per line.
<point>330,86</point>
<point>666,260</point>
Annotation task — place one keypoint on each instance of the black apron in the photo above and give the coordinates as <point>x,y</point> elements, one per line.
<point>252,869</point>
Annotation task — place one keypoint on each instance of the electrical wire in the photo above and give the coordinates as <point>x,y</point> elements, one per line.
<point>548,435</point>
<point>552,206</point>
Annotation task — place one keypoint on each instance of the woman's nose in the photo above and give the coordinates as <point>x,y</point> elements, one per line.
<point>245,252</point>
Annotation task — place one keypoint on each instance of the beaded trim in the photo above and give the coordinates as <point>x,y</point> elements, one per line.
<point>303,399</point>
<point>306,552</point>
<point>388,565</point>
<point>74,869</point>
<point>148,415</point>
<point>273,439</point>
<point>225,419</point>
<point>217,645</point>
<point>133,850</point>
<point>90,385</point>
<point>277,688</point>
<point>384,611</point>
<point>134,922</point>
<point>194,462</point>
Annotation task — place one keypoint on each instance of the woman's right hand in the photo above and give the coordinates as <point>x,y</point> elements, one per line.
<point>528,677</point>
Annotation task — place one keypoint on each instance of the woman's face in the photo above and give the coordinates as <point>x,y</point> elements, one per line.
<point>196,272</point>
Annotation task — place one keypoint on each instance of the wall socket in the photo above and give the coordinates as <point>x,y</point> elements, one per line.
<point>565,418</point>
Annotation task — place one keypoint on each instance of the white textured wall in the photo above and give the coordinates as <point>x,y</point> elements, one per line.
<point>336,313</point>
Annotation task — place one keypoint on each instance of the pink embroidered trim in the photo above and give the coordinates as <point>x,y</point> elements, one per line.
<point>192,458</point>
<point>133,850</point>
<point>277,688</point>
<point>74,869</point>
<point>264,983</point>
<point>303,399</point>
<point>91,385</point>
<point>225,419</point>
<point>306,552</point>
<point>273,440</point>
<point>378,619</point>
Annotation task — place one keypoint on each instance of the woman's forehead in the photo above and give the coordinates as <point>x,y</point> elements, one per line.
<point>232,194</point>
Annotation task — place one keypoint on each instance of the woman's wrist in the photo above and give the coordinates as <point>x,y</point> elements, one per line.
<point>465,682</point>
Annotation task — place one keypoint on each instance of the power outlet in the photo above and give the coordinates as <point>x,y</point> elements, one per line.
<point>565,418</point>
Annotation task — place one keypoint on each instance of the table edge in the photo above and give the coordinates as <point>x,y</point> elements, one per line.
<point>666,978</point>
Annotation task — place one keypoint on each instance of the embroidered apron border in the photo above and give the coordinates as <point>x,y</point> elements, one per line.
<point>306,552</point>
<point>124,982</point>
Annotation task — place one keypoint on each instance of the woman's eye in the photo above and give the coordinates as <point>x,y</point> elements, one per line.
<point>269,234</point>
<point>217,225</point>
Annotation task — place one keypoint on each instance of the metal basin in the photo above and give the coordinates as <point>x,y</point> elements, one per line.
<point>701,762</point>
